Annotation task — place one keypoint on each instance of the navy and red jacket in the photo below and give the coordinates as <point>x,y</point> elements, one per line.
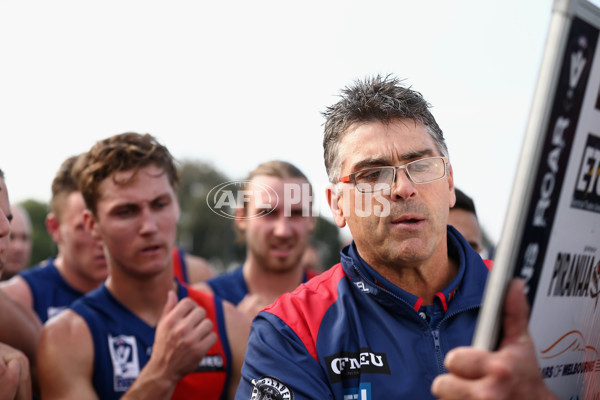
<point>351,334</point>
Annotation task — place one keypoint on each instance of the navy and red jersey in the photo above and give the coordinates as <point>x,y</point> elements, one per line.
<point>49,291</point>
<point>123,346</point>
<point>351,334</point>
<point>179,265</point>
<point>231,286</point>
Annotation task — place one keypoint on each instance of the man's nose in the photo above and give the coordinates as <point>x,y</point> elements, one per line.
<point>402,187</point>
<point>148,222</point>
<point>282,226</point>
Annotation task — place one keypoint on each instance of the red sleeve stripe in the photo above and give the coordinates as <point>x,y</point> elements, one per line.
<point>177,267</point>
<point>304,308</point>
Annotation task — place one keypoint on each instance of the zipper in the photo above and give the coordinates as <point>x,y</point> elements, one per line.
<point>436,335</point>
<point>438,350</point>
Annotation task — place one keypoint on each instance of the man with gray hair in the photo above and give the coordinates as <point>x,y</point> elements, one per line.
<point>395,318</point>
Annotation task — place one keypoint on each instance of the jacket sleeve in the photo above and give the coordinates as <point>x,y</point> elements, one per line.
<point>277,362</point>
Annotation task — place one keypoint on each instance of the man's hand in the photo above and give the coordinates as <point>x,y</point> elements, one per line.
<point>511,372</point>
<point>183,336</point>
<point>15,381</point>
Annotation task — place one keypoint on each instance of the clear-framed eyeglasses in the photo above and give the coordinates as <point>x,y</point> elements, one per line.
<point>420,171</point>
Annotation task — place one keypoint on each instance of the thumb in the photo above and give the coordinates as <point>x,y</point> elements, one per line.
<point>24,386</point>
<point>170,304</point>
<point>516,311</point>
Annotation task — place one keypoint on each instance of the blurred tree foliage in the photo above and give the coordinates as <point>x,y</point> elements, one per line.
<point>327,241</point>
<point>204,233</point>
<point>43,245</point>
<point>201,231</point>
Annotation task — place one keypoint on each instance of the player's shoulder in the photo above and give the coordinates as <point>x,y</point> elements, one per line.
<point>199,269</point>
<point>65,327</point>
<point>303,310</point>
<point>316,294</point>
<point>15,283</point>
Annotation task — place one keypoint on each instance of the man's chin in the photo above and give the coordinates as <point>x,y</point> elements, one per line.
<point>282,265</point>
<point>10,269</point>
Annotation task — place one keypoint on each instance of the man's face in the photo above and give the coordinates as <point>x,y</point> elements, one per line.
<point>407,224</point>
<point>80,251</point>
<point>466,223</point>
<point>5,217</point>
<point>276,241</point>
<point>19,249</point>
<point>137,220</point>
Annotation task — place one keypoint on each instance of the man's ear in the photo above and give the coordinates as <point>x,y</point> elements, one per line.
<point>336,204</point>
<point>89,222</point>
<point>452,196</point>
<point>53,227</point>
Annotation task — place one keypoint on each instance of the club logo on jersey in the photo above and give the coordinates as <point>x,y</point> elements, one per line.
<point>346,364</point>
<point>126,366</point>
<point>269,388</point>
<point>361,286</point>
<point>53,311</point>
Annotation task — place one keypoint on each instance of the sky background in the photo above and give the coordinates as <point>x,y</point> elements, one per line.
<point>236,83</point>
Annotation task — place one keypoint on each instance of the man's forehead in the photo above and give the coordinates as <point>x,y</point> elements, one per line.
<point>20,223</point>
<point>134,174</point>
<point>378,143</point>
<point>274,191</point>
<point>126,186</point>
<point>268,183</point>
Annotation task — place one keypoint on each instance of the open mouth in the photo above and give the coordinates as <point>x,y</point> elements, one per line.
<point>151,249</point>
<point>282,249</point>
<point>410,221</point>
<point>407,220</point>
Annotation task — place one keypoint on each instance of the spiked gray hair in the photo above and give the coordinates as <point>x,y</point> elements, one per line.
<point>379,98</point>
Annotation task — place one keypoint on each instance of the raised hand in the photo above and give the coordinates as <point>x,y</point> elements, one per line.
<point>15,380</point>
<point>511,372</point>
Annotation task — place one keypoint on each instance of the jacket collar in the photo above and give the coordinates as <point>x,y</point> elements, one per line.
<point>469,281</point>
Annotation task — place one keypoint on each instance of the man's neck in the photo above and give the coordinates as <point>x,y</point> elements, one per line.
<point>422,279</point>
<point>75,280</point>
<point>145,297</point>
<point>270,283</point>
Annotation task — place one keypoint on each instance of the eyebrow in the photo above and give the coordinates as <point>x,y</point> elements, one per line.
<point>136,203</point>
<point>380,161</point>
